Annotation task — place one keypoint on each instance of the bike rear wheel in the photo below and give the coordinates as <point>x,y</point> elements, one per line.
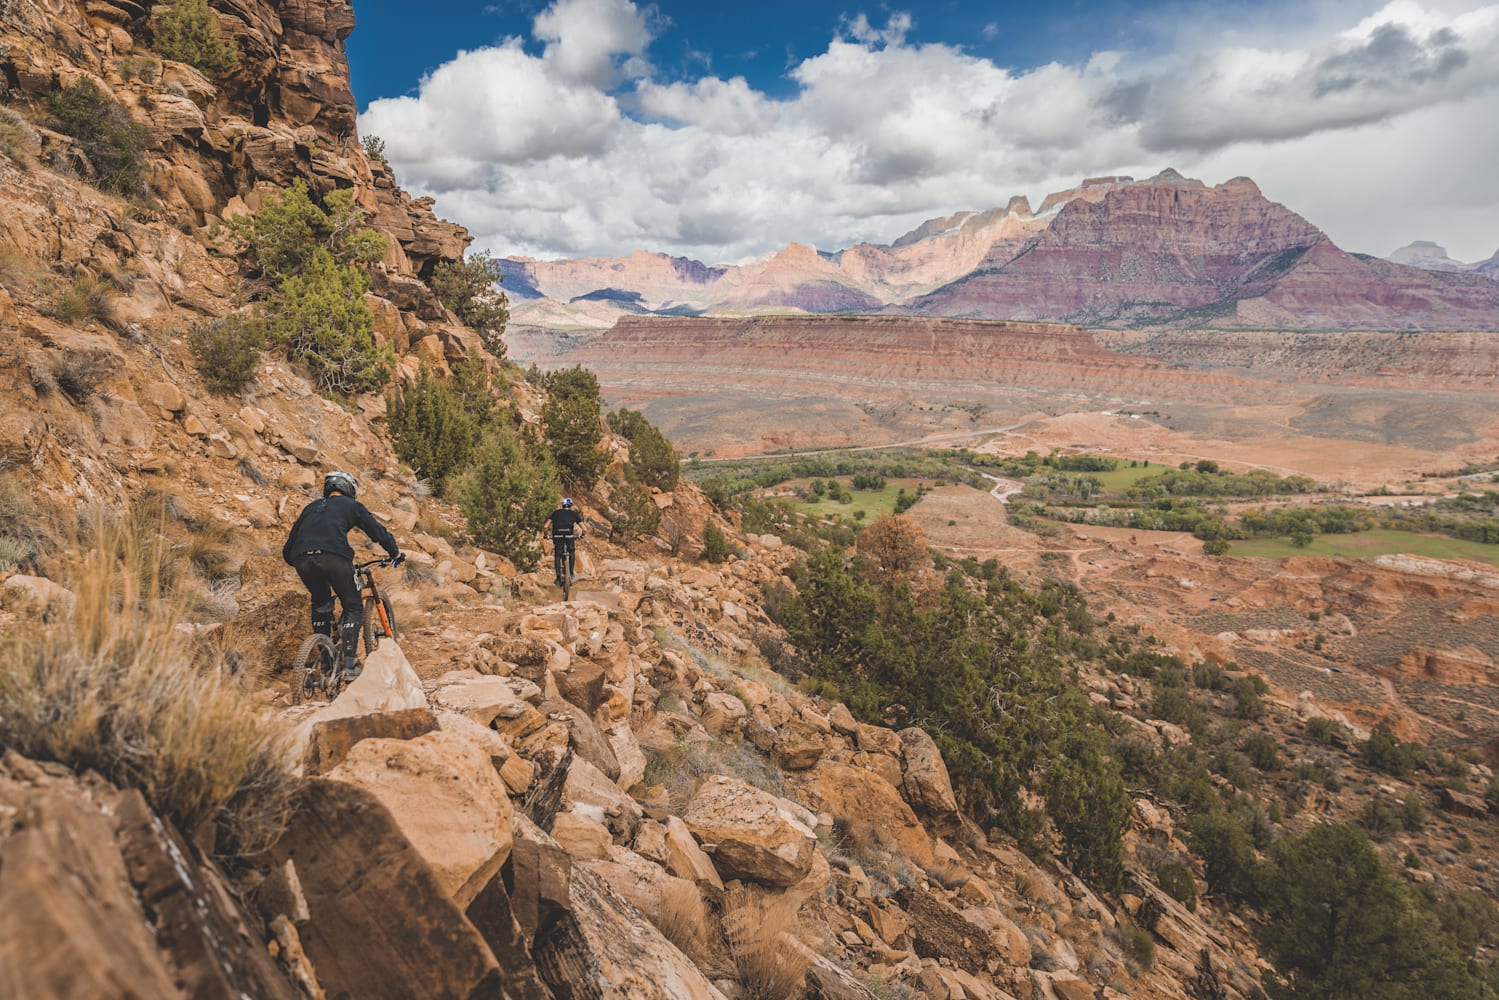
<point>374,628</point>
<point>315,669</point>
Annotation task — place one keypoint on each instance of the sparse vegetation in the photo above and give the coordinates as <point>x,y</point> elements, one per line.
<point>116,689</point>
<point>17,138</point>
<point>374,148</point>
<point>188,31</point>
<point>470,288</point>
<point>653,460</point>
<point>757,925</point>
<point>227,351</point>
<point>84,298</point>
<point>111,140</point>
<point>632,512</point>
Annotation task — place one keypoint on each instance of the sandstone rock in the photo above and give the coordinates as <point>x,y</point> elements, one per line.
<point>588,939</point>
<point>517,773</point>
<point>685,859</point>
<point>581,835</point>
<point>37,594</point>
<point>482,699</point>
<point>627,751</point>
<point>661,897</point>
<point>862,796</point>
<point>1004,935</point>
<point>585,785</point>
<point>331,739</point>
<point>939,931</point>
<point>751,835</point>
<point>878,739</point>
<point>927,786</point>
<point>798,746</point>
<point>586,739</point>
<point>382,923</point>
<point>70,925</point>
<point>446,798</point>
<point>722,713</point>
<point>842,720</point>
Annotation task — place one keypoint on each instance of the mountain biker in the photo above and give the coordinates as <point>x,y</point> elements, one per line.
<point>318,549</point>
<point>566,527</point>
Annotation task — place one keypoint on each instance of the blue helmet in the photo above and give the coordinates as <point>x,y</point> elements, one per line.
<point>567,502</point>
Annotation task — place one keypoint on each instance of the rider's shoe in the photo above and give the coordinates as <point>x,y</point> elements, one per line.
<point>352,670</point>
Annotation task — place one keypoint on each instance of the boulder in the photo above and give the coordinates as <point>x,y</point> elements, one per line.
<point>37,594</point>
<point>332,739</point>
<point>750,834</point>
<point>926,783</point>
<point>383,923</point>
<point>854,793</point>
<point>388,684</point>
<point>685,859</point>
<point>447,799</point>
<point>482,699</point>
<point>584,737</point>
<point>581,834</point>
<point>588,940</point>
<point>70,922</point>
<point>587,786</point>
<point>722,713</point>
<point>798,746</point>
<point>940,931</point>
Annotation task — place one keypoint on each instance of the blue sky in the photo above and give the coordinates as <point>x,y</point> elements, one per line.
<point>596,127</point>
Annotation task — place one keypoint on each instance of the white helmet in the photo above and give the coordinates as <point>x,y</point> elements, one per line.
<point>340,482</point>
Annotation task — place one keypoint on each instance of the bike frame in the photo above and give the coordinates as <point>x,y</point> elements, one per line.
<point>368,588</point>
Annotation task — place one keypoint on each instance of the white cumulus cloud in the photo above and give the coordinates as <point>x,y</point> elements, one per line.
<point>577,147</point>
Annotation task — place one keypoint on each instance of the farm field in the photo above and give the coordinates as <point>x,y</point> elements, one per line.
<point>1368,544</point>
<point>872,502</point>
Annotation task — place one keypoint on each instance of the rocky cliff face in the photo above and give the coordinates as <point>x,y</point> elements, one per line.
<point>1112,252</point>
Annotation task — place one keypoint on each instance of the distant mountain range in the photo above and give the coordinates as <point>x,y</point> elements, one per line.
<point>1112,252</point>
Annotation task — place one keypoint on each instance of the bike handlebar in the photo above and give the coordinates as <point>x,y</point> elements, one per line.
<point>382,561</point>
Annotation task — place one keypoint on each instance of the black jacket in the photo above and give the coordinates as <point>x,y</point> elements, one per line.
<point>324,525</point>
<point>564,521</point>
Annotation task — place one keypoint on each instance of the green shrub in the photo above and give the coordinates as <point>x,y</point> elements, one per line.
<point>1175,879</point>
<point>1227,853</point>
<point>431,428</point>
<point>227,351</point>
<point>469,288</point>
<point>1263,751</point>
<point>653,460</point>
<point>572,420</point>
<point>1384,752</point>
<point>374,148</point>
<point>1326,731</point>
<point>320,316</point>
<point>111,140</point>
<point>1340,925</point>
<point>632,512</point>
<point>715,543</point>
<point>284,237</point>
<point>188,32</point>
<point>507,495</point>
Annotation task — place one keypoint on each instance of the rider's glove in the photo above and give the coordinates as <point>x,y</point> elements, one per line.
<point>396,560</point>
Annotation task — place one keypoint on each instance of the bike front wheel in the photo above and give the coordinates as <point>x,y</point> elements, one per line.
<point>374,627</point>
<point>315,670</point>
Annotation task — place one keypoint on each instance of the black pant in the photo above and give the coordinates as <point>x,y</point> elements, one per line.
<point>563,555</point>
<point>326,574</point>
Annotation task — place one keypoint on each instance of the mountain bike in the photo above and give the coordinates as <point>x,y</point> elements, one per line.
<point>564,557</point>
<point>318,667</point>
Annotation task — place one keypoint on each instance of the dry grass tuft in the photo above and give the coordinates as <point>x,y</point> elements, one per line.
<point>116,688</point>
<point>84,298</point>
<point>764,937</point>
<point>682,919</point>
